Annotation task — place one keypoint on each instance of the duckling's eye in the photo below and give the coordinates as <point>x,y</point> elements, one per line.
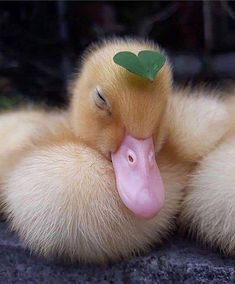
<point>100,100</point>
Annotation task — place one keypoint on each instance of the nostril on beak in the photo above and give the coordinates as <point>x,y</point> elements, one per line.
<point>131,157</point>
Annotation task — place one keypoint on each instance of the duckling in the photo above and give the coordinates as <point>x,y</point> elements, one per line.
<point>104,178</point>
<point>208,209</point>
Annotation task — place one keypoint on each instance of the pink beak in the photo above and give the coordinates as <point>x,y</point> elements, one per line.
<point>138,179</point>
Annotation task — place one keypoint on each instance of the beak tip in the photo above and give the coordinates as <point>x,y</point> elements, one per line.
<point>149,214</point>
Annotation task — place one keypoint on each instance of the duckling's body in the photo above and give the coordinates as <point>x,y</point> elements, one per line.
<point>208,209</point>
<point>60,194</point>
<point>58,183</point>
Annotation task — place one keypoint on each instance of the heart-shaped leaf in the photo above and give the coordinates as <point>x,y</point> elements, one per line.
<point>146,64</point>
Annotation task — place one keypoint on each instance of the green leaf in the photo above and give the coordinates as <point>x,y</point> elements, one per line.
<point>146,64</point>
<point>153,62</point>
<point>130,62</point>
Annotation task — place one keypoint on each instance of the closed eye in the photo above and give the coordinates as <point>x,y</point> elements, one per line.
<point>100,101</point>
<point>100,97</point>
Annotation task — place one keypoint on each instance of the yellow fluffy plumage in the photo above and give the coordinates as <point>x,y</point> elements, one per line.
<point>57,182</point>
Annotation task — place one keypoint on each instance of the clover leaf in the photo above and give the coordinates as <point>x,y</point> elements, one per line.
<point>146,64</point>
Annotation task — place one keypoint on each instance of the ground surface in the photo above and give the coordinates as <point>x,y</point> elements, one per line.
<point>179,261</point>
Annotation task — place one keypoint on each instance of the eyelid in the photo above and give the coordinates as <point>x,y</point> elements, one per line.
<point>100,96</point>
<point>100,100</point>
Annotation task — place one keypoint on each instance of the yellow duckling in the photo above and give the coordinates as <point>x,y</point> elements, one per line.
<point>104,178</point>
<point>209,208</point>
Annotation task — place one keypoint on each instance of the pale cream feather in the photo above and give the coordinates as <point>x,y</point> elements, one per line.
<point>209,207</point>
<point>57,183</point>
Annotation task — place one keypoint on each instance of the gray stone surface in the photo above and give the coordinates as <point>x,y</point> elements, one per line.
<point>178,261</point>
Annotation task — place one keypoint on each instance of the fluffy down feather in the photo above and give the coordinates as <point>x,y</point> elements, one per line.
<point>57,182</point>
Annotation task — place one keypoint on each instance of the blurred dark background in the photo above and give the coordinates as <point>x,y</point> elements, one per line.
<point>40,41</point>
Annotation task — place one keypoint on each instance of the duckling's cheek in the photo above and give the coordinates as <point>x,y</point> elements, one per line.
<point>138,179</point>
<point>111,138</point>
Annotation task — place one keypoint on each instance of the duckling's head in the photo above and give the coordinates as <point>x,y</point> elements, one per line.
<point>120,114</point>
